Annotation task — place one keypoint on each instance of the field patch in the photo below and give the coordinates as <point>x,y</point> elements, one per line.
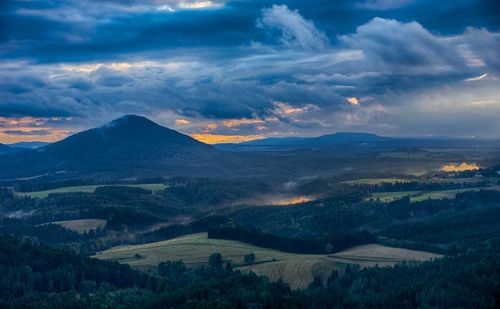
<point>442,194</point>
<point>82,225</point>
<point>296,269</point>
<point>392,196</point>
<point>88,189</point>
<point>371,254</point>
<point>417,196</point>
<point>376,181</point>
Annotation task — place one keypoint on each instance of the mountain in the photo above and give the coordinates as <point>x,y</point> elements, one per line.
<point>340,138</point>
<point>28,145</point>
<point>347,140</point>
<point>128,146</point>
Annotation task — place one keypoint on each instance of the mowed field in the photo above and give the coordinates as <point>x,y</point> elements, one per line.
<point>297,269</point>
<point>376,181</point>
<point>82,225</point>
<point>89,189</point>
<point>416,196</point>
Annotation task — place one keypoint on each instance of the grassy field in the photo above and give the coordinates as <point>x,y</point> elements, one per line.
<point>83,225</point>
<point>88,189</point>
<point>375,181</point>
<point>442,194</point>
<point>296,269</point>
<point>392,196</point>
<point>416,196</point>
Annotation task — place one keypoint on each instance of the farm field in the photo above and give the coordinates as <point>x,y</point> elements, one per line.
<point>442,194</point>
<point>296,269</point>
<point>83,225</point>
<point>376,181</point>
<point>416,196</point>
<point>87,189</point>
<point>392,196</point>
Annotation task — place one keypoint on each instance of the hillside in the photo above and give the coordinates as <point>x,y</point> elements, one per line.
<point>130,143</point>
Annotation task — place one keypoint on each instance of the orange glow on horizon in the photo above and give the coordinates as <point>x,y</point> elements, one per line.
<point>30,129</point>
<point>220,138</point>
<point>54,136</point>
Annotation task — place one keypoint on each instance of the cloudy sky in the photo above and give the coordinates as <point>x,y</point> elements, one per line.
<point>239,69</point>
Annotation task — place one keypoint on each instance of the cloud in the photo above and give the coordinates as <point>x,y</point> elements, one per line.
<point>239,122</point>
<point>295,30</point>
<point>198,5</point>
<point>477,78</point>
<point>352,100</point>
<point>182,122</point>
<point>484,45</point>
<point>395,45</point>
<point>382,4</point>
<point>29,132</point>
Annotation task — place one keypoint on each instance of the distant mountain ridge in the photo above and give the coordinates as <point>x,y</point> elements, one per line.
<point>339,138</point>
<point>336,138</point>
<point>28,145</point>
<point>359,139</point>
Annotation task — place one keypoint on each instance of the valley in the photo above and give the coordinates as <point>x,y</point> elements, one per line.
<point>304,218</point>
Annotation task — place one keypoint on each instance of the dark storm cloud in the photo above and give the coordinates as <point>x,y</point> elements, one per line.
<point>84,30</point>
<point>34,109</point>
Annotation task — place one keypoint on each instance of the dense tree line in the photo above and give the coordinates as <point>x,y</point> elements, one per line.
<point>424,186</point>
<point>329,244</point>
<point>213,192</point>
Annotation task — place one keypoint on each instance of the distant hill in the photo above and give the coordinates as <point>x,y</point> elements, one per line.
<point>330,139</point>
<point>361,140</point>
<point>340,138</point>
<point>28,145</point>
<point>125,146</point>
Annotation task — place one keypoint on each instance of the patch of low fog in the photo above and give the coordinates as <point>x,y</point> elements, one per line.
<point>177,220</point>
<point>277,200</point>
<point>452,167</point>
<point>293,184</point>
<point>19,214</point>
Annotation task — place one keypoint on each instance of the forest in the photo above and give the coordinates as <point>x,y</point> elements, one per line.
<point>33,276</point>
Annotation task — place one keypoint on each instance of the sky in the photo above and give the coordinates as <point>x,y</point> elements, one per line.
<point>236,70</point>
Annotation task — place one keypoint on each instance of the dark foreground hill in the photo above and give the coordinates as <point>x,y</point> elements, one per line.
<point>130,143</point>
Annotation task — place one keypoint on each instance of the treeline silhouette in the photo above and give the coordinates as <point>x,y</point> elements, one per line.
<point>330,244</point>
